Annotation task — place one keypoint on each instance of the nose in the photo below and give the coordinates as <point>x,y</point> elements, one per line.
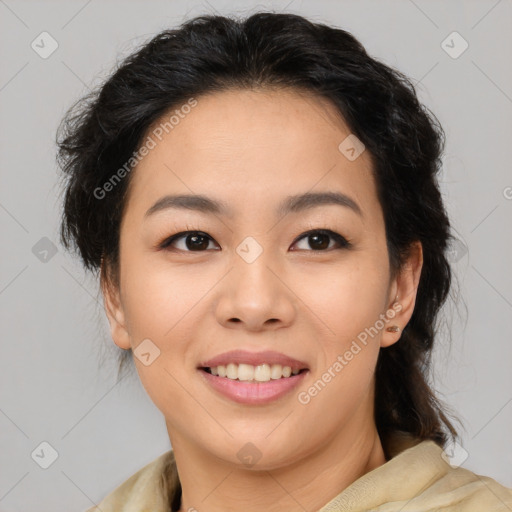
<point>254,296</point>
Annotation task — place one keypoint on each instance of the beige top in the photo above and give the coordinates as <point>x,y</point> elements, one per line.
<point>415,479</point>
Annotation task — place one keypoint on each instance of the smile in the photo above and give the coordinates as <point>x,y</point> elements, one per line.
<point>247,372</point>
<point>252,392</point>
<point>255,378</point>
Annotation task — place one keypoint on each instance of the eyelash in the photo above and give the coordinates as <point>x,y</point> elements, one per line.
<point>342,242</point>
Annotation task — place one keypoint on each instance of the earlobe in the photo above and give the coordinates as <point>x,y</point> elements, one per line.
<point>393,331</point>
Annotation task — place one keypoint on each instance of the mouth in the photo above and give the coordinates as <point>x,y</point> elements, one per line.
<point>249,373</point>
<point>253,378</point>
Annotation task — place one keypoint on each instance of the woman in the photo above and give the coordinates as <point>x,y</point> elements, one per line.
<point>260,197</point>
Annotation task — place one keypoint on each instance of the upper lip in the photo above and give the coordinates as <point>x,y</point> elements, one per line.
<point>254,358</point>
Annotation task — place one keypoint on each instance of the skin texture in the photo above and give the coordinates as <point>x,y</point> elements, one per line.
<point>252,149</point>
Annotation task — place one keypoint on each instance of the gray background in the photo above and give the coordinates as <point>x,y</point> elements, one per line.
<point>57,367</point>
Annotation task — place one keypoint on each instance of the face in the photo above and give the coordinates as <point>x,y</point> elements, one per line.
<point>306,279</point>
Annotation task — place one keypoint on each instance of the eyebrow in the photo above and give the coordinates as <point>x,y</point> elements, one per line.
<point>291,204</point>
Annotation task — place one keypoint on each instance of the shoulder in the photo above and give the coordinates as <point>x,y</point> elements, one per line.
<point>453,488</point>
<point>419,476</point>
<point>466,491</point>
<point>139,493</point>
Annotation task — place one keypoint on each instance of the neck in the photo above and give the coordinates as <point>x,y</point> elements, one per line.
<point>308,484</point>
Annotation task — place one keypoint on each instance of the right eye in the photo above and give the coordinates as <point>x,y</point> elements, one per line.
<point>191,241</point>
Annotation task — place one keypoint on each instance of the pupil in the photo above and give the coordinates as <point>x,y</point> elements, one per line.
<point>195,242</point>
<point>320,241</point>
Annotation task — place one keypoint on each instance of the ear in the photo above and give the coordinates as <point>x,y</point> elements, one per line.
<point>405,287</point>
<point>114,310</point>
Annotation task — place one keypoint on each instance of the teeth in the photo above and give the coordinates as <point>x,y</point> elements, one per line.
<point>247,372</point>
<point>276,371</point>
<point>261,372</point>
<point>231,371</point>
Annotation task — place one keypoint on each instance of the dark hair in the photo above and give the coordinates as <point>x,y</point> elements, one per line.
<point>379,104</point>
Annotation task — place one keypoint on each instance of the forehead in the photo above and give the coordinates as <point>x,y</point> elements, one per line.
<point>251,147</point>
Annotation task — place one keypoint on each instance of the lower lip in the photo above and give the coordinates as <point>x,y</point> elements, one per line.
<point>255,393</point>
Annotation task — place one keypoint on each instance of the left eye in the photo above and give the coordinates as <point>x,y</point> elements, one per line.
<point>320,240</point>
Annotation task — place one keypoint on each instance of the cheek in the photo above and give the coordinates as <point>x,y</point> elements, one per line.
<point>349,302</point>
<point>346,298</point>
<point>167,389</point>
<point>158,297</point>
